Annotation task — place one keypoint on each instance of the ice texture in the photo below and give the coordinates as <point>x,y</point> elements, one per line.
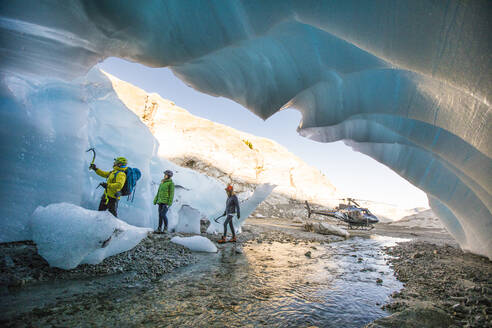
<point>189,220</point>
<point>407,83</point>
<point>67,235</point>
<point>50,125</point>
<point>196,243</point>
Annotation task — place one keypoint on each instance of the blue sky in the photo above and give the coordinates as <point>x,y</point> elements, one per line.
<point>353,174</point>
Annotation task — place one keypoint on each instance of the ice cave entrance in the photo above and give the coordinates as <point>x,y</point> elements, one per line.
<point>352,173</point>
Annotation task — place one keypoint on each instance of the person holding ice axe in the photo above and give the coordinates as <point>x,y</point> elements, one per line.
<point>231,210</point>
<point>115,180</point>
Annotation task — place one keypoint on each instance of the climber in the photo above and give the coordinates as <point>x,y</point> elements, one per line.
<point>164,198</point>
<point>232,209</point>
<point>115,180</point>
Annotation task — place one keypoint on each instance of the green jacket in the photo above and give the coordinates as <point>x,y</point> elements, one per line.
<point>165,194</point>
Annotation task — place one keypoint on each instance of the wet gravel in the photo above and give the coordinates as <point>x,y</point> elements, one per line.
<point>271,283</point>
<point>20,264</point>
<point>443,285</point>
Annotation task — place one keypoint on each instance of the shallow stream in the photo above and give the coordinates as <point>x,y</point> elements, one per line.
<point>276,285</point>
<point>265,284</point>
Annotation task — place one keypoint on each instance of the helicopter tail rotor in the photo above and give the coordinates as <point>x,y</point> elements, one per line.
<point>350,200</point>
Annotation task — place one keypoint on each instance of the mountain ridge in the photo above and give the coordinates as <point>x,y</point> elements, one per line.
<point>231,155</point>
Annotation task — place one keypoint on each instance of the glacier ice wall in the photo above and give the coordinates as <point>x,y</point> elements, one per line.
<point>407,83</point>
<point>47,125</point>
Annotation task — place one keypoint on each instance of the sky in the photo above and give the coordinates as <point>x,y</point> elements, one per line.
<point>352,173</point>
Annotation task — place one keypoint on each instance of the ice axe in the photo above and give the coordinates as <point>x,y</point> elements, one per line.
<point>216,219</point>
<point>93,160</point>
<point>93,154</point>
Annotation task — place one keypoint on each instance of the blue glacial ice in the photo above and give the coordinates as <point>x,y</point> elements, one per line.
<point>407,83</point>
<point>67,235</point>
<point>50,124</point>
<point>196,243</point>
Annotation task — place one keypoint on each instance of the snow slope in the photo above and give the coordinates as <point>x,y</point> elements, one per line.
<point>407,83</point>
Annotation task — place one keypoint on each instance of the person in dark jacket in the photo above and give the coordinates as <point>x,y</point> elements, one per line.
<point>232,210</point>
<point>164,198</point>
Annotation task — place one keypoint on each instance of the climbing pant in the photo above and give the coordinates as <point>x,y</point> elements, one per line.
<point>162,216</point>
<point>111,205</point>
<point>228,221</point>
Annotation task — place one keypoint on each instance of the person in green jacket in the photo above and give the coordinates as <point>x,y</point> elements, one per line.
<point>164,198</point>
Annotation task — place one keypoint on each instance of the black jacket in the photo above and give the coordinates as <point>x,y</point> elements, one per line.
<point>232,206</point>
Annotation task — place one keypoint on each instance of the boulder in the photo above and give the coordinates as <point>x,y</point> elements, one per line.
<point>325,229</point>
<point>415,317</point>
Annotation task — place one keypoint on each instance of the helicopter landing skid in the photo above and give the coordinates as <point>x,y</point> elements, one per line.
<point>363,228</point>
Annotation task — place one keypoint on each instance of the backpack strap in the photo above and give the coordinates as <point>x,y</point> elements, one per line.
<point>114,177</point>
<point>116,174</point>
<point>133,194</point>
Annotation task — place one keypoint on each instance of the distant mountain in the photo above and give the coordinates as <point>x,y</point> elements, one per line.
<point>225,153</point>
<point>389,213</point>
<point>245,160</point>
<point>421,219</point>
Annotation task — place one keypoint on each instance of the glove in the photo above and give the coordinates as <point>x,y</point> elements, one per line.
<point>104,185</point>
<point>93,167</point>
<point>238,217</point>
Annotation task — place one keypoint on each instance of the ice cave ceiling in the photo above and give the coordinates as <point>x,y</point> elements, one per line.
<point>405,82</point>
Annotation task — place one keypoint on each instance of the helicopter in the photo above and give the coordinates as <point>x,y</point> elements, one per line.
<point>351,213</point>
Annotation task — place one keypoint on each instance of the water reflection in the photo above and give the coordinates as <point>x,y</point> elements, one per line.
<point>277,285</point>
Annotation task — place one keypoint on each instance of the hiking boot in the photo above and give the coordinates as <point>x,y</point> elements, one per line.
<point>232,240</point>
<point>223,240</point>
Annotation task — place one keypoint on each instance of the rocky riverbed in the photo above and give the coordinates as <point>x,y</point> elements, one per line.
<point>278,279</point>
<point>21,265</point>
<point>444,287</point>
